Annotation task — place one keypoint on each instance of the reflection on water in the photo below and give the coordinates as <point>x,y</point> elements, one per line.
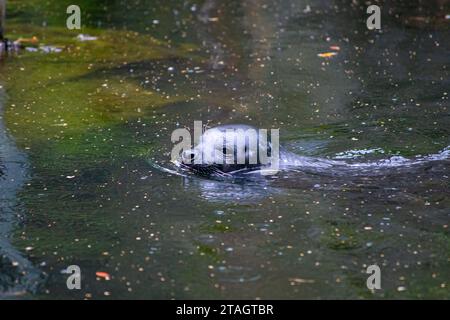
<point>242,191</point>
<point>18,275</point>
<point>90,116</point>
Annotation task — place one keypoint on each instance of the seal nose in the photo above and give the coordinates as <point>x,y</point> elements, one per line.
<point>188,156</point>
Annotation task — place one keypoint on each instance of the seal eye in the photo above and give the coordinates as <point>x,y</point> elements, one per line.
<point>188,156</point>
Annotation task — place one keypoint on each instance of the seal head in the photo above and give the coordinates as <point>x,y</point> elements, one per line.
<point>225,150</point>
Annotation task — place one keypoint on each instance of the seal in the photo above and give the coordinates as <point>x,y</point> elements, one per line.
<point>238,150</point>
<point>226,150</point>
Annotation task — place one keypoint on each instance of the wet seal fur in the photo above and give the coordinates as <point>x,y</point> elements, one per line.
<point>228,150</point>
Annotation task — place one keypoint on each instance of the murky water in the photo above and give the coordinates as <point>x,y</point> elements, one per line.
<point>18,275</point>
<point>91,118</point>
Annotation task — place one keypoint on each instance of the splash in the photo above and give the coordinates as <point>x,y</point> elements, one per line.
<point>399,161</point>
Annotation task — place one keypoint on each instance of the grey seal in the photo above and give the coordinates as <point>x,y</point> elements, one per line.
<point>239,149</point>
<point>218,150</point>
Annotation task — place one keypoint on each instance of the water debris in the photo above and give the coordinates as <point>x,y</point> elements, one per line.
<point>31,45</point>
<point>86,37</point>
<point>10,294</point>
<point>32,40</point>
<point>327,54</point>
<point>50,49</point>
<point>31,49</point>
<point>8,46</point>
<point>330,53</point>
<point>295,281</point>
<point>194,70</point>
<point>103,275</point>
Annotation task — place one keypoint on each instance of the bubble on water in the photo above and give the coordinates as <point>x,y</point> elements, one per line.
<point>86,37</point>
<point>237,274</point>
<point>352,154</point>
<point>206,238</point>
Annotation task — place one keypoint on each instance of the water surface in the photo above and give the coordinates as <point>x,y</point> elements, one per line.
<point>92,118</point>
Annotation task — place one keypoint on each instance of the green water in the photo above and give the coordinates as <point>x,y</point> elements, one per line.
<point>91,116</point>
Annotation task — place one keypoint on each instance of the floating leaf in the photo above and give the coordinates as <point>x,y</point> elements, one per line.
<point>32,40</point>
<point>327,54</point>
<point>300,281</point>
<point>103,275</point>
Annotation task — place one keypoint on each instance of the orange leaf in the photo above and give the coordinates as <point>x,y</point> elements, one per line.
<point>103,275</point>
<point>33,40</point>
<point>327,54</point>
